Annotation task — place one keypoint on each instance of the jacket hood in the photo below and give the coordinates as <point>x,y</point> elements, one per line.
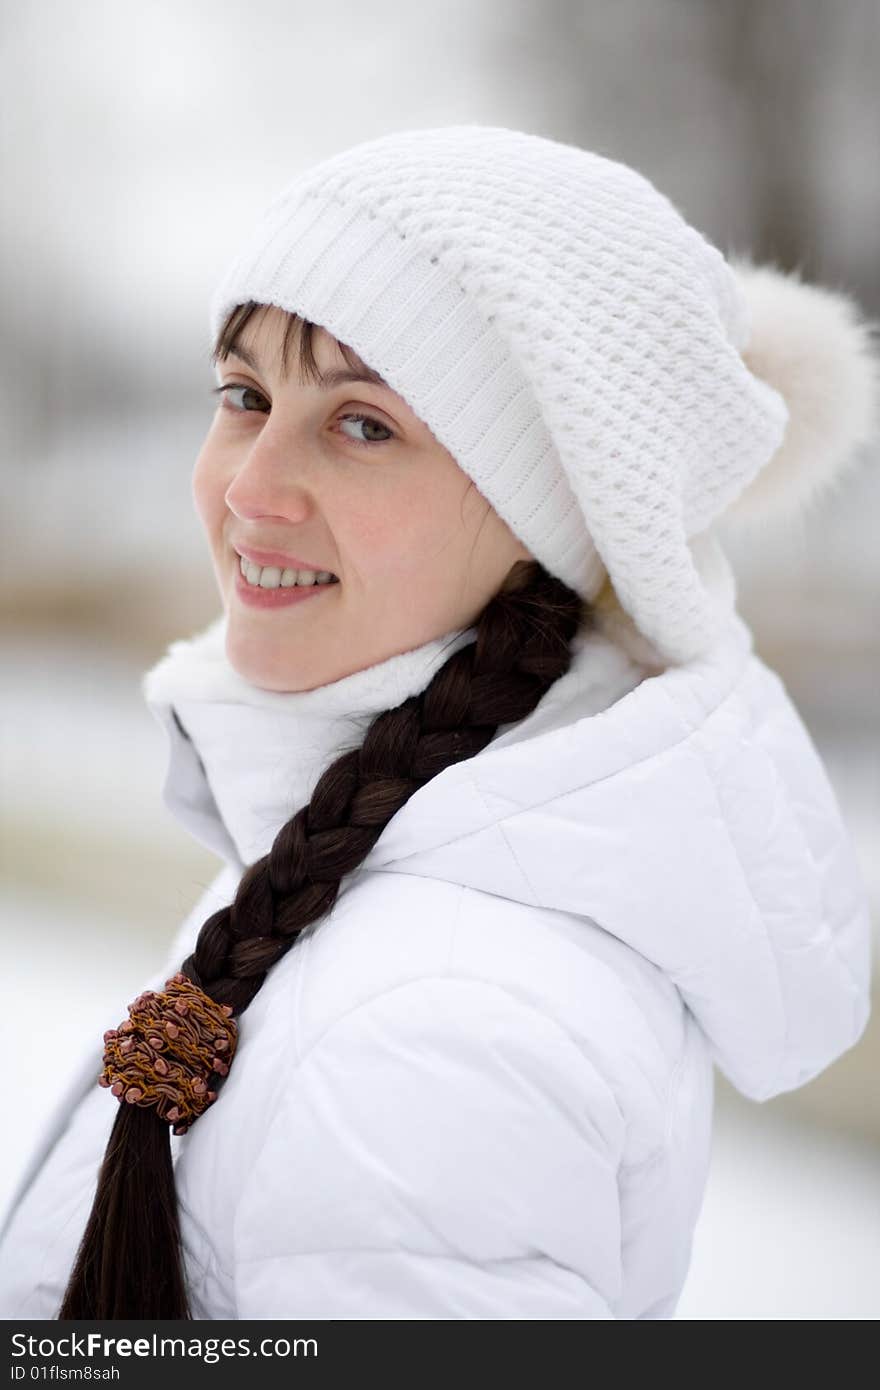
<point>686,812</point>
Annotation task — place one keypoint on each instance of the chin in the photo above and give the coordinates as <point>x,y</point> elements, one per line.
<point>250,655</point>
<point>252,658</point>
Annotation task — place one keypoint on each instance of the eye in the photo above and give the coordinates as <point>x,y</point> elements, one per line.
<point>369,423</point>
<point>225,392</point>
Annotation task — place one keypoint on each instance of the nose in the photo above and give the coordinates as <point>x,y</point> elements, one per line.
<point>267,482</point>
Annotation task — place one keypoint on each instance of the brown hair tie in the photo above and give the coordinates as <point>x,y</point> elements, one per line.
<point>168,1049</point>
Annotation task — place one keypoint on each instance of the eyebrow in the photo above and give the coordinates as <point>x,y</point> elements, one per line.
<point>336,376</point>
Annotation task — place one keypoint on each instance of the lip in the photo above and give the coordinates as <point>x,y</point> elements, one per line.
<point>276,557</point>
<point>255,597</point>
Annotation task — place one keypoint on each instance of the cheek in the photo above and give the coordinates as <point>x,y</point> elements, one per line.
<point>407,530</point>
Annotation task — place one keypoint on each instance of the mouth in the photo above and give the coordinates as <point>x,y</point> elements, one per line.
<point>267,596</point>
<point>264,569</point>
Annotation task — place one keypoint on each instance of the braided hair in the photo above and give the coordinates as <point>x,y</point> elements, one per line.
<point>129,1263</point>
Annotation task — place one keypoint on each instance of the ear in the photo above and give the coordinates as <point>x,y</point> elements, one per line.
<point>813,345</point>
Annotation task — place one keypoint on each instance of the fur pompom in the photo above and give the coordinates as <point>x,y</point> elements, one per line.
<point>814,346</point>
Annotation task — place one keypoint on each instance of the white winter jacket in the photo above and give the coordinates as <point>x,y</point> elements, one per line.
<point>482,1086</point>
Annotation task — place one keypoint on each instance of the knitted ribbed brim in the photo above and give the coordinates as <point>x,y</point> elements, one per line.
<point>572,342</point>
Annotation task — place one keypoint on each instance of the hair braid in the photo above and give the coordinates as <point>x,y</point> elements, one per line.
<point>129,1263</point>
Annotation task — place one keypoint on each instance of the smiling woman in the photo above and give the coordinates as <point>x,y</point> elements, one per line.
<point>521,837</point>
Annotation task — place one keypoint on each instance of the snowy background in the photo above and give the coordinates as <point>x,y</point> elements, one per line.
<point>137,143</point>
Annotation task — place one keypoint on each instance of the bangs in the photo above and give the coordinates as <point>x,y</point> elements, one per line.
<point>298,333</point>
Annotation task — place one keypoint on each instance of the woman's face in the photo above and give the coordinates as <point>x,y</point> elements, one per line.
<point>340,477</point>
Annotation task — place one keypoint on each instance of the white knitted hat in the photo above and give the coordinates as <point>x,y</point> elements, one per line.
<point>567,336</point>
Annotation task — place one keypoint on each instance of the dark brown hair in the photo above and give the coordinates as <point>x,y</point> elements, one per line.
<point>129,1262</point>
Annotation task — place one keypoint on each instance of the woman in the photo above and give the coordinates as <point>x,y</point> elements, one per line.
<point>520,834</point>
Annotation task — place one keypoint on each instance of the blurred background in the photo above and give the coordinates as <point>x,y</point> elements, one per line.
<point>138,143</point>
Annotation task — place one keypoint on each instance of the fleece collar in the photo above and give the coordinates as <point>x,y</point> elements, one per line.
<point>242,760</point>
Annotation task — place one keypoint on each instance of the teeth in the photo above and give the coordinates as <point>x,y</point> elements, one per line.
<point>272,577</point>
